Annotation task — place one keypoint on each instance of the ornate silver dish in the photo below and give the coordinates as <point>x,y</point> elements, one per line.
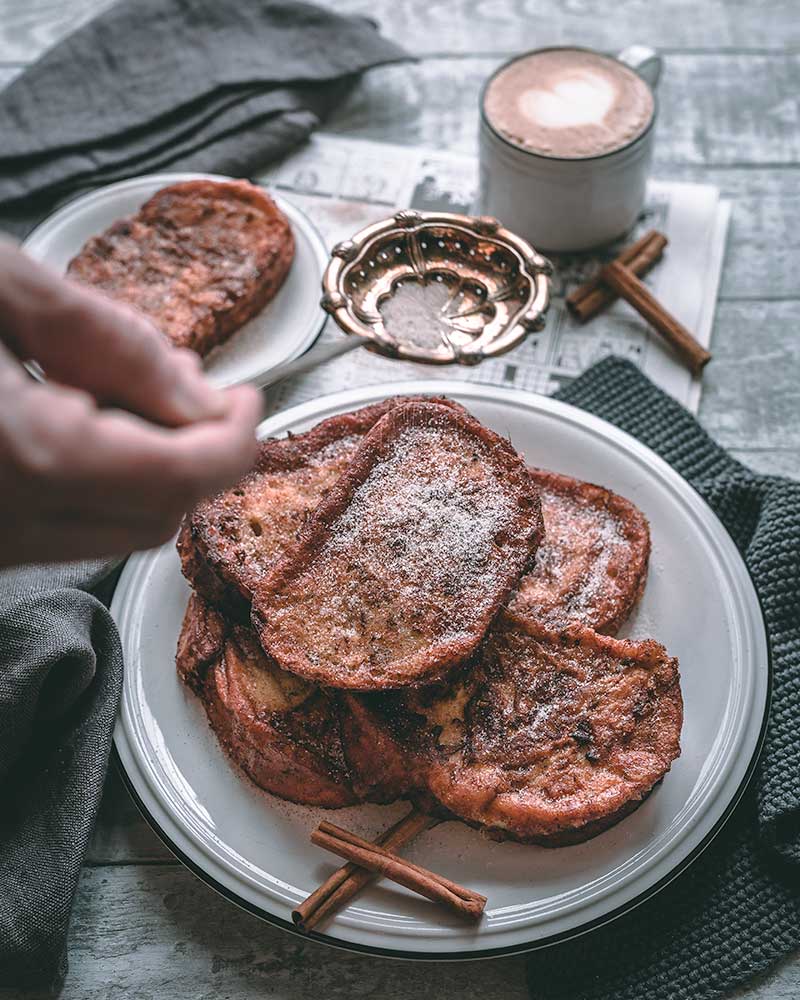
<point>437,287</point>
<point>428,286</point>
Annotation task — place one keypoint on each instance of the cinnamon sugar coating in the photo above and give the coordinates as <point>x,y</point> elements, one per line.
<point>397,575</point>
<point>592,564</point>
<point>200,258</point>
<point>547,737</point>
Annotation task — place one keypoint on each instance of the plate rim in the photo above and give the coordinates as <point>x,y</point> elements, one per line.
<point>360,396</point>
<point>294,213</point>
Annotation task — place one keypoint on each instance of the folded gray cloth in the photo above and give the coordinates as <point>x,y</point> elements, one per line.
<point>203,85</point>
<point>736,910</point>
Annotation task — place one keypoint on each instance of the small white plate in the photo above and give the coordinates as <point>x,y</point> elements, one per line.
<point>286,327</point>
<point>254,848</point>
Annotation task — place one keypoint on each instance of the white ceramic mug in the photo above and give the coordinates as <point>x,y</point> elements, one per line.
<point>562,204</point>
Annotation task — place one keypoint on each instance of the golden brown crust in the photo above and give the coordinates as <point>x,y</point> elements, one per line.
<point>555,736</point>
<point>281,731</point>
<point>546,736</point>
<point>398,574</point>
<point>200,258</point>
<point>592,564</point>
<point>200,642</point>
<point>229,542</point>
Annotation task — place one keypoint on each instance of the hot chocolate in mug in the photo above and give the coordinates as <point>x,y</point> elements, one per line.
<point>566,141</point>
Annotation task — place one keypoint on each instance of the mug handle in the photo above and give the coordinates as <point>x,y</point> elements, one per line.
<point>644,61</point>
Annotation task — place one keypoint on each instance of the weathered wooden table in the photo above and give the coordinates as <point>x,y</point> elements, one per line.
<point>145,927</point>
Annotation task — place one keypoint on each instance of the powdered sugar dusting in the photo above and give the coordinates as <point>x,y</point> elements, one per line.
<point>585,567</point>
<point>441,522</point>
<point>420,554</point>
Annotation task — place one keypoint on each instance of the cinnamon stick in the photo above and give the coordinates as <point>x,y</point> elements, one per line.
<point>464,902</point>
<point>590,298</point>
<point>337,891</point>
<point>630,288</point>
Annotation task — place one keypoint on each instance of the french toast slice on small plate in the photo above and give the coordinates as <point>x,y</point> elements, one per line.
<point>200,258</point>
<point>699,602</point>
<point>286,327</point>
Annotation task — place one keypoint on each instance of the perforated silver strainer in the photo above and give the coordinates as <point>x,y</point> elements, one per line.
<point>434,287</point>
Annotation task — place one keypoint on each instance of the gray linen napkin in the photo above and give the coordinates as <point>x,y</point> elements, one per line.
<point>205,85</point>
<point>60,682</point>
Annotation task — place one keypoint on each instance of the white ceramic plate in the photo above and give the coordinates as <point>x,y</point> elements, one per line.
<point>286,327</point>
<point>254,848</point>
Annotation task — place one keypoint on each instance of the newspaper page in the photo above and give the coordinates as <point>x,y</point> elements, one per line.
<point>346,184</point>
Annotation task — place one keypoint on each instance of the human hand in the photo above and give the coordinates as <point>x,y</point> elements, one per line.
<point>124,437</point>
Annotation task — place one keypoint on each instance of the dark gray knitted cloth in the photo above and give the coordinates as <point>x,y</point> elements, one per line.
<point>202,85</point>
<point>736,909</point>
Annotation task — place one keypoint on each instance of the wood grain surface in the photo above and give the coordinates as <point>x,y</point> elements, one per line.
<point>729,111</point>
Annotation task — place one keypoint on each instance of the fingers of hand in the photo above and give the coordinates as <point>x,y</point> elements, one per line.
<point>87,340</point>
<point>130,364</point>
<point>70,536</point>
<point>67,457</point>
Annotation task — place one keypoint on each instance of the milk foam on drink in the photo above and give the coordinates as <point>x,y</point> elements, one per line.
<point>568,103</point>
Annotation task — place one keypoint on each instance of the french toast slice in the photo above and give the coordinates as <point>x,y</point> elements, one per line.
<point>397,575</point>
<point>591,566</point>
<point>200,258</point>
<point>282,731</point>
<point>228,542</point>
<point>544,736</point>
<point>547,736</point>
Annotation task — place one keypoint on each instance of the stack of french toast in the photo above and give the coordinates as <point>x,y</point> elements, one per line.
<point>395,605</point>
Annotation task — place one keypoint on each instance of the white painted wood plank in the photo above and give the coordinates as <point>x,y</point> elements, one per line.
<point>28,27</point>
<point>751,390</point>
<point>488,26</point>
<point>764,235</point>
<point>7,74</point>
<point>158,932</point>
<point>505,26</point>
<point>780,983</point>
<point>121,834</point>
<point>770,461</point>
